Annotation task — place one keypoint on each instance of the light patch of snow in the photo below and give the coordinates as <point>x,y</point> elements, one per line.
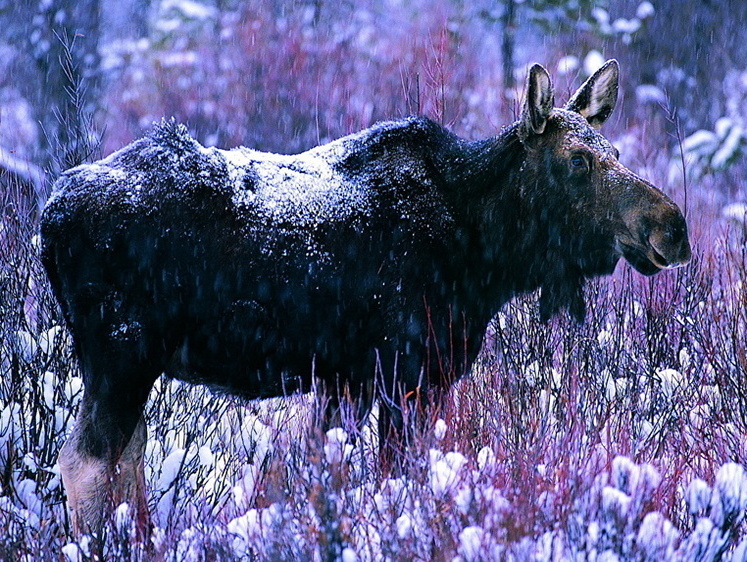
<point>700,416</point>
<point>95,171</point>
<point>547,403</point>
<point>253,527</point>
<point>486,460</point>
<point>533,374</point>
<point>731,483</point>
<point>549,547</point>
<point>48,339</point>
<point>189,8</point>
<point>502,321</point>
<point>605,336</point>
<point>170,468</point>
<point>723,126</point>
<point>304,189</point>
<point>30,461</point>
<point>245,489</point>
<point>25,345</point>
<point>32,503</point>
<point>645,10</point>
<point>704,543</point>
<point>648,93</point>
<point>167,26</point>
<point>729,148</point>
<point>77,552</point>
<point>494,503</point>
<point>615,387</point>
<point>656,537</point>
<point>349,555</point>
<point>10,423</point>
<point>256,437</point>
<point>404,526</point>
<point>625,474</point>
<point>73,553</point>
<point>736,212</point>
<point>445,471</point>
<point>463,499</point>
<point>247,529</point>
<point>671,381</point>
<point>684,358</point>
<point>393,493</point>
<point>593,532</point>
<point>593,61</point>
<point>123,517</point>
<point>615,503</point>
<point>48,384</point>
<point>439,429</point>
<point>567,65</point>
<point>189,546</point>
<point>337,447</point>
<point>601,16</point>
<point>700,142</point>
<point>471,541</point>
<point>627,26</point>
<point>206,456</point>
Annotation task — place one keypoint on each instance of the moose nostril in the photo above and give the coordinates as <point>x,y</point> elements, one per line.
<point>685,250</point>
<point>677,236</point>
<point>669,247</point>
<point>661,260</point>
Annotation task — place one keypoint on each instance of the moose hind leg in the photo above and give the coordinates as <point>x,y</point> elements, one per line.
<point>129,477</point>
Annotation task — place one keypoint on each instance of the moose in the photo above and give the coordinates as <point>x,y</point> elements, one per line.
<point>369,266</point>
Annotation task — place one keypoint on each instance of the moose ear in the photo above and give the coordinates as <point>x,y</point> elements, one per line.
<point>596,99</point>
<point>539,101</point>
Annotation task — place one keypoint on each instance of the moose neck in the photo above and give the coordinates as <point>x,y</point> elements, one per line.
<point>501,232</point>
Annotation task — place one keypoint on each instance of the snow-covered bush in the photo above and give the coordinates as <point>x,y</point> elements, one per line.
<point>620,439</point>
<point>714,151</point>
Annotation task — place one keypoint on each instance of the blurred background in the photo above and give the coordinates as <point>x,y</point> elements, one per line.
<point>658,373</point>
<point>80,79</point>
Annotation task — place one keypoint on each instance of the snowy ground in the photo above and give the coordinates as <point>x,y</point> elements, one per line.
<point>592,442</point>
<point>623,439</point>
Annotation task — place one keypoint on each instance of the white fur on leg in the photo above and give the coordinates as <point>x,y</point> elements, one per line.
<point>94,486</point>
<point>86,482</point>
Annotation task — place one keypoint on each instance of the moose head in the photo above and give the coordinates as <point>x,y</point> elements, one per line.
<point>593,209</point>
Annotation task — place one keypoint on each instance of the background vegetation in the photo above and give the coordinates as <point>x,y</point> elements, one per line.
<point>622,439</point>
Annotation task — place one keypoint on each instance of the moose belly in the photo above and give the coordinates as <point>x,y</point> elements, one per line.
<point>243,350</point>
<point>258,351</point>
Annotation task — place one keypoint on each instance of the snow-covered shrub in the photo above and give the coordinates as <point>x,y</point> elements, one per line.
<point>714,151</point>
<point>604,441</point>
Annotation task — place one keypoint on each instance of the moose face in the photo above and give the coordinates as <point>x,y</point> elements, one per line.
<point>602,210</point>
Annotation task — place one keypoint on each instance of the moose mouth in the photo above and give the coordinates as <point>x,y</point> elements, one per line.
<point>647,262</point>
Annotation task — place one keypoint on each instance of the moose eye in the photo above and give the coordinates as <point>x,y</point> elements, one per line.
<point>578,162</point>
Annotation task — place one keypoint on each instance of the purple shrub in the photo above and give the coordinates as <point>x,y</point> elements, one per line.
<point>619,439</point>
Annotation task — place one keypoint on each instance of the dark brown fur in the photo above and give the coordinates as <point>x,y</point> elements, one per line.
<point>371,265</point>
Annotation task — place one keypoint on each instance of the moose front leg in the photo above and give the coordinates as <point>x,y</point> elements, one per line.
<point>97,479</point>
<point>86,481</point>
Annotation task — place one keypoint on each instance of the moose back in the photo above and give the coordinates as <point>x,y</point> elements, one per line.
<point>370,266</point>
